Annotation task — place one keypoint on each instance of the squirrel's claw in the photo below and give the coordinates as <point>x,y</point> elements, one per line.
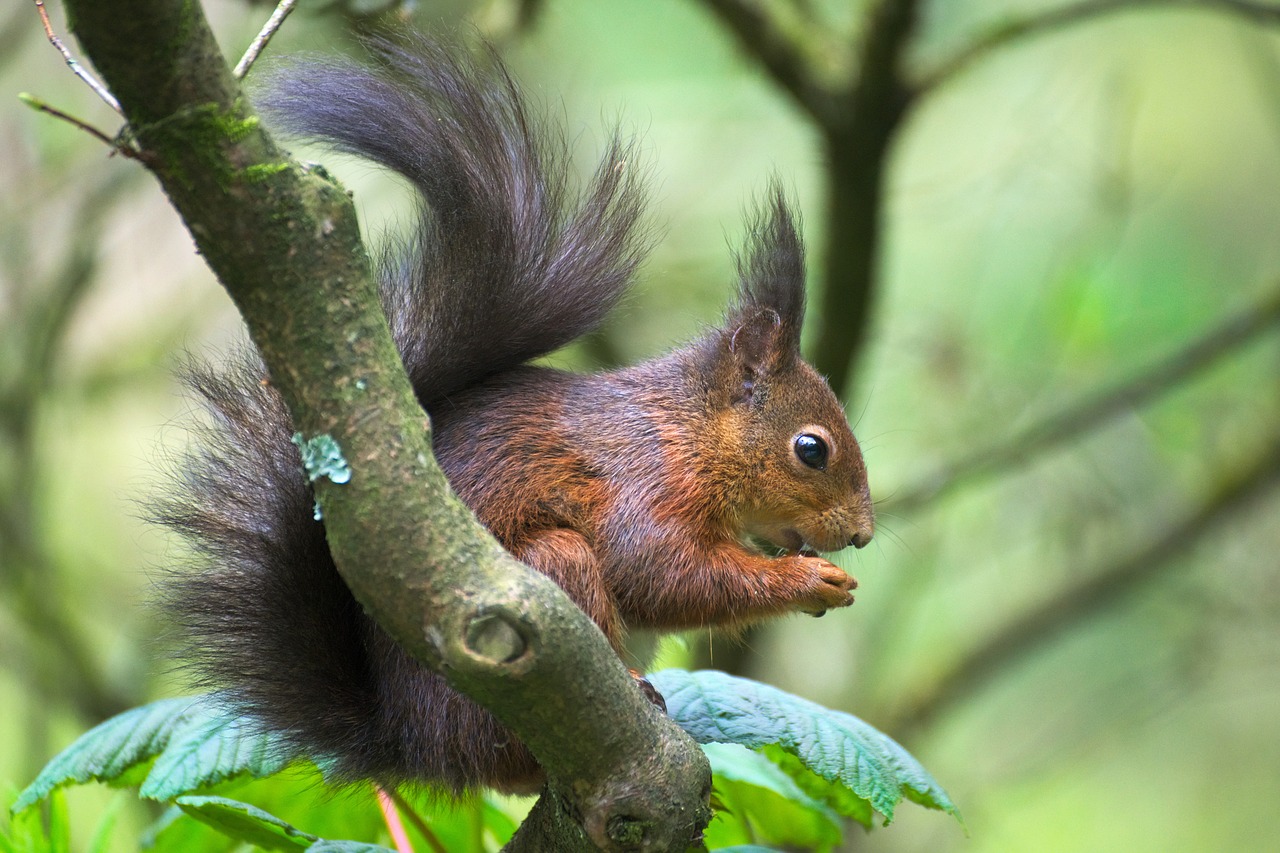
<point>829,586</point>
<point>650,692</point>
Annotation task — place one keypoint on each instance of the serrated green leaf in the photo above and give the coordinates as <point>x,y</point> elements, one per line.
<point>739,764</point>
<point>766,803</point>
<point>246,823</point>
<point>832,794</point>
<point>210,747</point>
<point>193,742</point>
<point>107,751</point>
<point>717,708</point>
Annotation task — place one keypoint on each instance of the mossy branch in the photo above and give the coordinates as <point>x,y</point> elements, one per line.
<point>285,243</point>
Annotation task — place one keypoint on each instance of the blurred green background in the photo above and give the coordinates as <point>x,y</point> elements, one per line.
<point>1081,646</point>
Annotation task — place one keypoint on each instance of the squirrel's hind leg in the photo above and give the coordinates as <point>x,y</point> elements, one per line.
<point>567,558</point>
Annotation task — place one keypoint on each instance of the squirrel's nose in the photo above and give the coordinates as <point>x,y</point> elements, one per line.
<point>860,538</point>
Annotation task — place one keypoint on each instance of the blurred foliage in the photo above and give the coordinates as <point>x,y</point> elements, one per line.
<point>1062,216</point>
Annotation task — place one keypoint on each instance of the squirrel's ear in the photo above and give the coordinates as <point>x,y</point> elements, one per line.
<point>758,344</point>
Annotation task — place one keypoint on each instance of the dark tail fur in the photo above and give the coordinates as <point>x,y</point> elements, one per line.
<point>507,263</point>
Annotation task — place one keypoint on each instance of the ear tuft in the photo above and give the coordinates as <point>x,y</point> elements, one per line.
<point>765,321</point>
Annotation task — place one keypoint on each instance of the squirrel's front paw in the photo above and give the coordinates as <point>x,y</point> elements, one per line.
<point>828,586</point>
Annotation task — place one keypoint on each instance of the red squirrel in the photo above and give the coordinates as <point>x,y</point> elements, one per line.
<point>640,491</point>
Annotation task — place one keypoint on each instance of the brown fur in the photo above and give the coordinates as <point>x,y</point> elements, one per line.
<point>635,489</point>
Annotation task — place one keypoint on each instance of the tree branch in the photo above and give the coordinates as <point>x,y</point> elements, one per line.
<point>79,124</point>
<point>1226,338</point>
<point>1065,16</point>
<point>857,150</point>
<point>784,54</point>
<point>284,242</point>
<point>1029,633</point>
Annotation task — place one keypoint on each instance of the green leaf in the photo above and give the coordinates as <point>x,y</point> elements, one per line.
<point>767,805</point>
<point>35,831</point>
<point>468,824</point>
<point>59,823</point>
<point>324,846</point>
<point>839,748</point>
<point>209,748</point>
<point>107,751</point>
<point>496,821</point>
<point>24,833</point>
<point>150,837</point>
<point>731,762</point>
<point>832,794</point>
<point>247,823</point>
<point>193,741</point>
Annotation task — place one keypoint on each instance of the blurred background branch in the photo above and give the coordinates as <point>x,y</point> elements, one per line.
<point>1095,410</point>
<point>792,50</point>
<point>1061,17</point>
<point>67,668</point>
<point>1086,596</point>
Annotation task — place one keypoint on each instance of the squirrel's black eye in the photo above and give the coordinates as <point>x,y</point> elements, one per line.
<point>811,450</point>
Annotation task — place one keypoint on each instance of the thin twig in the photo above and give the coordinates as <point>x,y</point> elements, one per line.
<point>1224,339</point>
<point>1065,16</point>
<point>75,67</point>
<point>40,106</point>
<point>259,44</point>
<point>1106,587</point>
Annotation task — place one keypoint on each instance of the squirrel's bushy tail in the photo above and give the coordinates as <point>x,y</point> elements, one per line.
<point>508,262</point>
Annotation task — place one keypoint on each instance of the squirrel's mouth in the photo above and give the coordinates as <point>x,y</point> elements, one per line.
<point>786,540</point>
<point>795,544</point>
